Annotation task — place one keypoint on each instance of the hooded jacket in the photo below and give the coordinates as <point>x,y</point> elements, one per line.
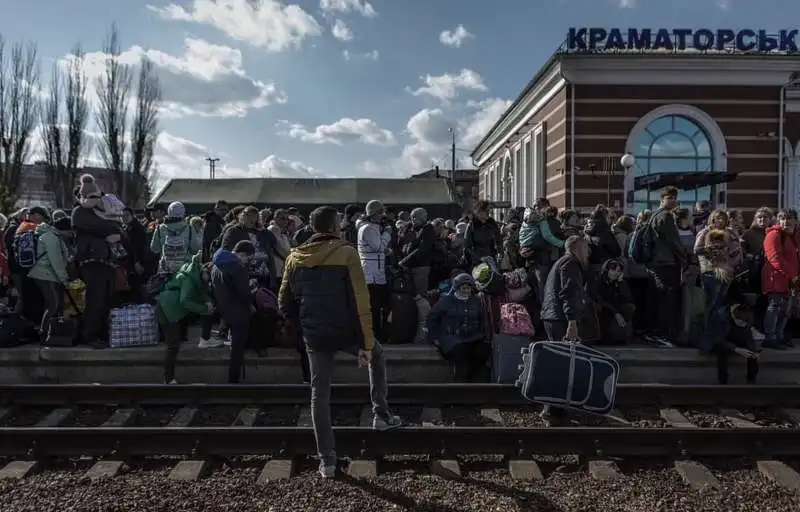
<point>419,251</point>
<point>52,256</point>
<point>603,244</point>
<point>185,293</point>
<point>565,295</point>
<point>453,321</point>
<point>91,231</point>
<point>481,240</point>
<point>266,246</point>
<point>324,291</point>
<point>372,245</point>
<point>668,250</point>
<point>781,263</point>
<point>212,229</point>
<point>610,296</point>
<point>231,284</point>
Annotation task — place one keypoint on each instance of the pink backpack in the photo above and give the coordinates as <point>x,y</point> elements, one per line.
<point>514,319</point>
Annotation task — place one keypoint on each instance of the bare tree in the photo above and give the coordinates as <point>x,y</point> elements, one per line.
<point>144,132</point>
<point>19,111</point>
<point>65,113</point>
<point>113,89</point>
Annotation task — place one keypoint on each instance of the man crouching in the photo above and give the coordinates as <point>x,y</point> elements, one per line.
<point>324,291</point>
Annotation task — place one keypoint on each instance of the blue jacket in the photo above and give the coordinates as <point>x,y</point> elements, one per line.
<point>453,321</point>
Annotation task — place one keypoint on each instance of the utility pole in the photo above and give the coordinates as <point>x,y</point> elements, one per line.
<point>212,167</point>
<point>453,161</point>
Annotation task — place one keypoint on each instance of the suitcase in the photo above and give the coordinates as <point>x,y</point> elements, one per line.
<point>133,326</point>
<point>507,357</point>
<point>403,318</point>
<point>569,375</point>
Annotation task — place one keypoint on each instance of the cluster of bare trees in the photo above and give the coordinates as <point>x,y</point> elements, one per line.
<point>126,115</point>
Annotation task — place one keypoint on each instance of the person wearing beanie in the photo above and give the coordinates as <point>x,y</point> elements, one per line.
<point>213,222</point>
<point>456,325</point>
<point>230,282</point>
<point>373,247</point>
<point>174,242</point>
<point>348,225</point>
<point>59,214</point>
<point>94,237</point>
<point>50,270</point>
<point>418,253</point>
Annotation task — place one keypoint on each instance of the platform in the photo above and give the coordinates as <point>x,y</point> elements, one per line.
<point>409,363</point>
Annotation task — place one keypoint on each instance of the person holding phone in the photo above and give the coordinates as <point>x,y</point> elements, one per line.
<point>325,293</point>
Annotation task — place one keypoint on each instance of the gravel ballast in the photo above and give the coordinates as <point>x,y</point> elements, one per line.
<point>482,489</point>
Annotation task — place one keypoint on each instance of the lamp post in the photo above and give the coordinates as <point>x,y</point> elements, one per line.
<point>626,161</point>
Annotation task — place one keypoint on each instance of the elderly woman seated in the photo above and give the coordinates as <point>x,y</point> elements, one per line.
<point>457,326</point>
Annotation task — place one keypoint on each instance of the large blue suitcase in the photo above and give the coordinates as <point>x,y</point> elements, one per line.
<point>569,375</point>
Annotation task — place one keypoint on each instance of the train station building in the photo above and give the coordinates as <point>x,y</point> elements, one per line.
<point>716,113</point>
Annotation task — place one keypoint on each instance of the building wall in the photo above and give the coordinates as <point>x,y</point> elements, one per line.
<point>504,178</point>
<point>605,115</point>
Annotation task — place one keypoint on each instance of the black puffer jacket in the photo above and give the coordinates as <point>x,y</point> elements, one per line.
<point>211,231</point>
<point>481,240</point>
<point>603,244</point>
<point>91,231</point>
<point>565,296</point>
<point>419,252</point>
<point>610,296</point>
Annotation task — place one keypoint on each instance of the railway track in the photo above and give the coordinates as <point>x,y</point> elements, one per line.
<point>201,425</point>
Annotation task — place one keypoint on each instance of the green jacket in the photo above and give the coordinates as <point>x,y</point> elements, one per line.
<point>51,263</point>
<point>185,293</point>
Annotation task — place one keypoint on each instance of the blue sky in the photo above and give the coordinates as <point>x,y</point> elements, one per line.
<point>341,87</point>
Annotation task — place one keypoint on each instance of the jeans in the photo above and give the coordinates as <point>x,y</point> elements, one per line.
<point>775,319</point>
<point>239,334</point>
<point>717,317</point>
<point>53,296</point>
<point>322,366</point>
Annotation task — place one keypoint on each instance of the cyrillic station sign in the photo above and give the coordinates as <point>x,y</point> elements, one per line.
<point>741,41</point>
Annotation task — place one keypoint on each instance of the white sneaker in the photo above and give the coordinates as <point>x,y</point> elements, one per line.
<point>757,335</point>
<point>173,381</point>
<point>210,343</point>
<point>326,471</point>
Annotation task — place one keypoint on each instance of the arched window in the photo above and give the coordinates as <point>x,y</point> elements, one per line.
<point>672,143</point>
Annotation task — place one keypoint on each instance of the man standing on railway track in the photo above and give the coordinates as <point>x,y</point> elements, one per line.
<point>325,293</point>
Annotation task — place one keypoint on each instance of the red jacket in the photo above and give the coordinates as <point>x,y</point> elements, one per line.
<point>781,263</point>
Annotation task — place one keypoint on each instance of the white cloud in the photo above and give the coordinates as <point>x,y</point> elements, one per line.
<point>348,55</point>
<point>341,31</point>
<point>431,139</point>
<point>341,132</point>
<point>267,24</point>
<point>455,38</point>
<point>276,167</point>
<point>724,4</point>
<point>208,80</point>
<point>445,87</point>
<point>344,6</point>
<point>626,4</point>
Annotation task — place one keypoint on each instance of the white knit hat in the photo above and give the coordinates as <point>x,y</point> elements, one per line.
<point>176,210</point>
<point>373,207</point>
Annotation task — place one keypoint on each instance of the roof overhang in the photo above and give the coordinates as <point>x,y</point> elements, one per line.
<point>546,84</point>
<point>682,180</point>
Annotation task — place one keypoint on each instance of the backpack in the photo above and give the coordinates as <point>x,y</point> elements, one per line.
<point>26,250</point>
<point>175,251</point>
<point>641,246</point>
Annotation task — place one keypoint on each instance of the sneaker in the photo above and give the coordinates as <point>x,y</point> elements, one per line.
<point>173,381</point>
<point>757,335</point>
<point>326,471</point>
<point>389,422</point>
<point>210,343</point>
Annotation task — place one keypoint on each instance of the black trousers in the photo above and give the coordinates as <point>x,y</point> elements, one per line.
<point>468,360</point>
<point>723,360</point>
<point>240,332</point>
<point>379,300</point>
<point>53,297</point>
<point>99,280</point>
<point>665,296</point>
<point>172,338</point>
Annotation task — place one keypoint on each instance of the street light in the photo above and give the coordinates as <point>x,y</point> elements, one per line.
<point>627,161</point>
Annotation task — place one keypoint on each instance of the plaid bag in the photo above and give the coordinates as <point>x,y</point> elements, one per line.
<point>133,326</point>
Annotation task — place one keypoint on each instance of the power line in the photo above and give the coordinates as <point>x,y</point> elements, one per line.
<point>212,167</point>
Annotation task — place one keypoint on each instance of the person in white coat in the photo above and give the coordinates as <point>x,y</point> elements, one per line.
<point>374,237</point>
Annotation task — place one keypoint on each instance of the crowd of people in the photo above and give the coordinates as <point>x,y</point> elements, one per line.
<point>355,280</point>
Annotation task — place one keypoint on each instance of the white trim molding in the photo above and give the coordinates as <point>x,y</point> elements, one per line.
<point>518,114</point>
<point>712,129</point>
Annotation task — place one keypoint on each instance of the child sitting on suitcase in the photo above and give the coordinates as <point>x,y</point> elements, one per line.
<point>456,327</point>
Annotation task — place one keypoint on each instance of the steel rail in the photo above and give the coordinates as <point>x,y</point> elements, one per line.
<point>358,394</point>
<point>362,442</point>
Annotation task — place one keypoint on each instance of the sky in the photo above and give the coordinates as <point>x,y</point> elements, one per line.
<point>339,88</point>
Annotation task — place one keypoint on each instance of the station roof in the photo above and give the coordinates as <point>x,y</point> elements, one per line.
<point>305,191</point>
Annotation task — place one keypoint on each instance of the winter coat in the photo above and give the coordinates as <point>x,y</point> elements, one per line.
<point>482,239</point>
<point>667,247</point>
<point>91,231</point>
<point>453,321</point>
<point>610,296</point>
<point>52,256</point>
<point>603,244</point>
<point>419,251</point>
<point>283,246</point>
<point>212,229</point>
<point>185,293</point>
<point>372,245</point>
<point>266,250</point>
<point>324,291</point>
<point>231,284</point>
<point>565,296</point>
<point>781,263</point>
<point>709,259</point>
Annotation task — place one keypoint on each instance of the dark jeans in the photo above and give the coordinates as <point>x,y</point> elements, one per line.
<point>775,319</point>
<point>610,331</point>
<point>717,316</point>
<point>723,359</point>
<point>665,295</point>
<point>239,335</point>
<point>556,331</point>
<point>99,279</point>
<point>468,360</point>
<point>53,297</point>
<point>379,299</point>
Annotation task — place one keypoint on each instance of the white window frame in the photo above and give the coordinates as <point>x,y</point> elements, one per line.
<point>516,173</point>
<point>539,161</point>
<point>528,181</point>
